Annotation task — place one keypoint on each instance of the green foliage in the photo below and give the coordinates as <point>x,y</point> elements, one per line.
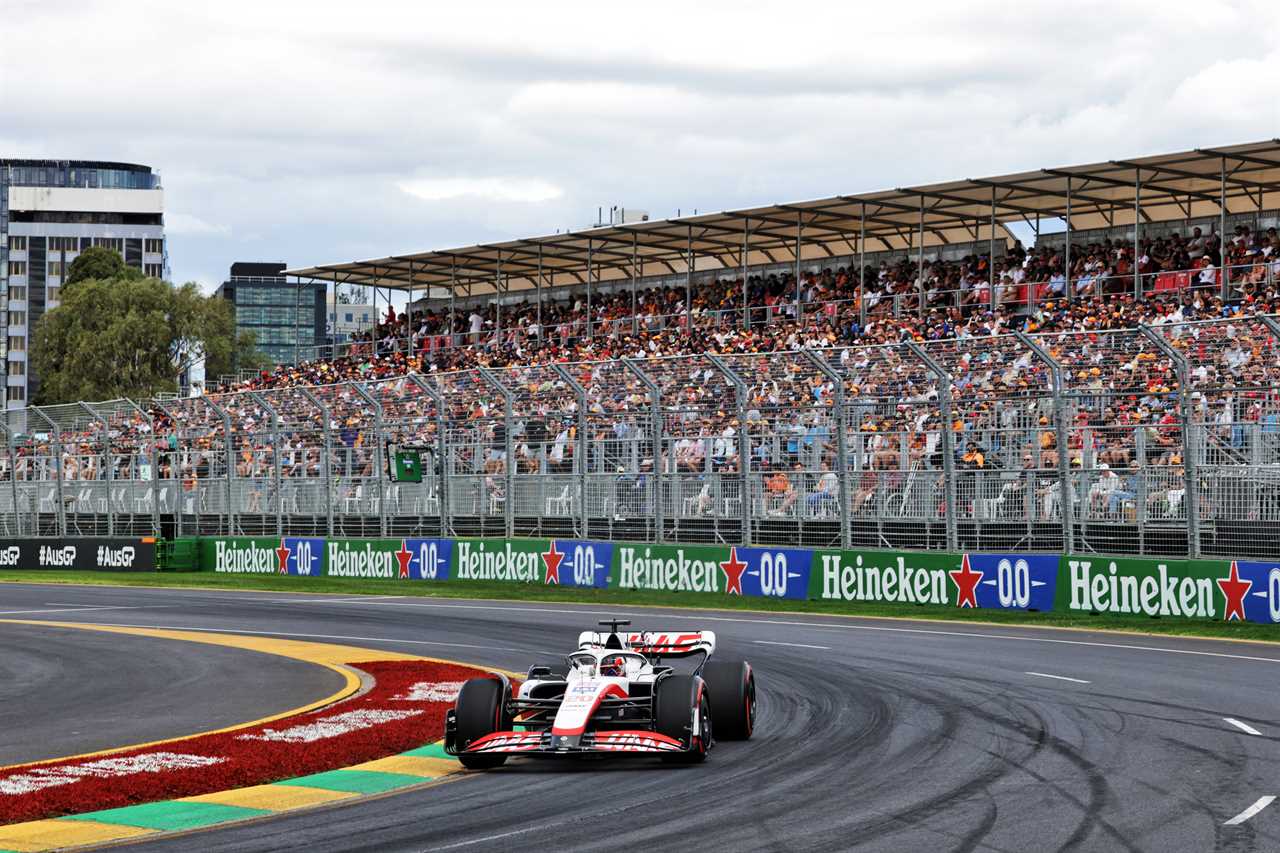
<point>128,336</point>
<point>98,263</point>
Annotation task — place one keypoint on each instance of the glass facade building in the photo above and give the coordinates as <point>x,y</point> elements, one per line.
<point>50,211</point>
<point>287,318</point>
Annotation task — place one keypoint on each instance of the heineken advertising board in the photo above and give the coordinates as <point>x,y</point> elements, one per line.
<point>1198,589</point>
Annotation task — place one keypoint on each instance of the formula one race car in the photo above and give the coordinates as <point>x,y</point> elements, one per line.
<point>612,696</point>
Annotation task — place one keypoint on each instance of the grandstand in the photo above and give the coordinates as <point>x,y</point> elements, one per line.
<point>889,369</point>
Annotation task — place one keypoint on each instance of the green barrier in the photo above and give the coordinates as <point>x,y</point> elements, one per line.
<point>178,555</point>
<point>883,576</point>
<point>1140,586</point>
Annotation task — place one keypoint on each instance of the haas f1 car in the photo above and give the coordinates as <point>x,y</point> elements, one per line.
<point>613,696</point>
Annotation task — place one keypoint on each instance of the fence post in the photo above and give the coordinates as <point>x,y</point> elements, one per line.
<point>655,413</point>
<point>508,508</point>
<point>442,451</point>
<point>326,461</point>
<point>583,444</point>
<point>378,439</point>
<point>744,441</point>
<point>231,462</point>
<point>1066,490</point>
<point>948,450</point>
<point>1191,482</point>
<point>108,464</point>
<point>60,507</point>
<point>842,448</point>
<point>277,474</point>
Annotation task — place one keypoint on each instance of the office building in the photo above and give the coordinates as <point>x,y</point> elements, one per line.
<point>287,317</point>
<point>50,211</point>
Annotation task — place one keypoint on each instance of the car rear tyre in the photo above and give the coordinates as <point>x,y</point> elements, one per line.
<point>731,686</point>
<point>481,710</point>
<point>675,699</point>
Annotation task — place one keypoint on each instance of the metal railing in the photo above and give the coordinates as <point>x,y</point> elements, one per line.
<point>1155,440</point>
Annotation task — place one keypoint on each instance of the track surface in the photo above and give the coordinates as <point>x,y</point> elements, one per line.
<point>894,735</point>
<point>65,691</point>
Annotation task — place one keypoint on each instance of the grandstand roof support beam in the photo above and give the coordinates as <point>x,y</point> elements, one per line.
<point>991,257</point>
<point>799,238</point>
<point>688,280</point>
<point>635,284</point>
<point>1222,230</point>
<point>862,270</point>
<point>1137,233</point>
<point>542,333</point>
<point>948,450</point>
<point>1060,428</point>
<point>1068,290</point>
<point>497,296</point>
<point>746,249</point>
<point>920,262</point>
<point>379,466</point>
<point>1191,479</point>
<point>659,452</point>
<point>590,273</point>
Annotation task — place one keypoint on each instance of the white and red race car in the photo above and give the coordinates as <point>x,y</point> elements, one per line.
<point>613,696</point>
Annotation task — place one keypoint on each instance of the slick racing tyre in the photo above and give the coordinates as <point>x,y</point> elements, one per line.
<point>481,710</point>
<point>675,699</point>
<point>731,686</point>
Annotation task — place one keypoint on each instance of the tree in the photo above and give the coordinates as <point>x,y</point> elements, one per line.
<point>128,336</point>
<point>100,263</point>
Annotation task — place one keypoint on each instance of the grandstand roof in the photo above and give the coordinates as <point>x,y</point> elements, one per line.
<point>1185,185</point>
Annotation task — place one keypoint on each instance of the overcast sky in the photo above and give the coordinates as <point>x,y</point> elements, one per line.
<point>316,132</point>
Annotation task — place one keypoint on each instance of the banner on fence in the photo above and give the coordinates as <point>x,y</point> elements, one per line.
<point>82,553</point>
<point>1198,589</point>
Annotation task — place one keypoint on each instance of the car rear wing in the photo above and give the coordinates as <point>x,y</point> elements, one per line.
<point>667,644</point>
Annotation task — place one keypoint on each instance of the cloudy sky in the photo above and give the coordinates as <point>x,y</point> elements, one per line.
<point>316,132</point>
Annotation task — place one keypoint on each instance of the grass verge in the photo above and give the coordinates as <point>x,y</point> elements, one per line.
<point>603,597</point>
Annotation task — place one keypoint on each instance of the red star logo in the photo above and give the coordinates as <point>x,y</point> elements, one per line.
<point>551,559</point>
<point>733,569</point>
<point>1235,590</point>
<point>282,553</point>
<point>404,557</point>
<point>966,581</point>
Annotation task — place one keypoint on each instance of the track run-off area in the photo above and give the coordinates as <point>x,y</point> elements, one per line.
<point>873,734</point>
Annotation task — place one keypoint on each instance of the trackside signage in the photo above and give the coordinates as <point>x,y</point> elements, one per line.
<point>998,581</point>
<point>1197,589</point>
<point>92,554</point>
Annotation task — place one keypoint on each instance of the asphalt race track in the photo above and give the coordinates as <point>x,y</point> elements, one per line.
<point>872,735</point>
<point>65,691</point>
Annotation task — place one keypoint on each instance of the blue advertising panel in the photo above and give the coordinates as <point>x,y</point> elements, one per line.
<point>301,555</point>
<point>428,559</point>
<point>1008,581</point>
<point>581,563</point>
<point>768,572</point>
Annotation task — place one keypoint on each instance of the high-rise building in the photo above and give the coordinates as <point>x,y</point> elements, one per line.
<point>286,317</point>
<point>50,211</point>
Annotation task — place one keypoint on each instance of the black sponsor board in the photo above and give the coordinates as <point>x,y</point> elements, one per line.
<point>85,554</point>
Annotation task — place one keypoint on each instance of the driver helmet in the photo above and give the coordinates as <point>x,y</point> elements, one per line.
<point>613,666</point>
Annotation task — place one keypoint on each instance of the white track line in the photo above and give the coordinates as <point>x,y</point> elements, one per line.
<point>793,645</point>
<point>1261,804</point>
<point>76,609</point>
<point>1247,729</point>
<point>1057,677</point>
